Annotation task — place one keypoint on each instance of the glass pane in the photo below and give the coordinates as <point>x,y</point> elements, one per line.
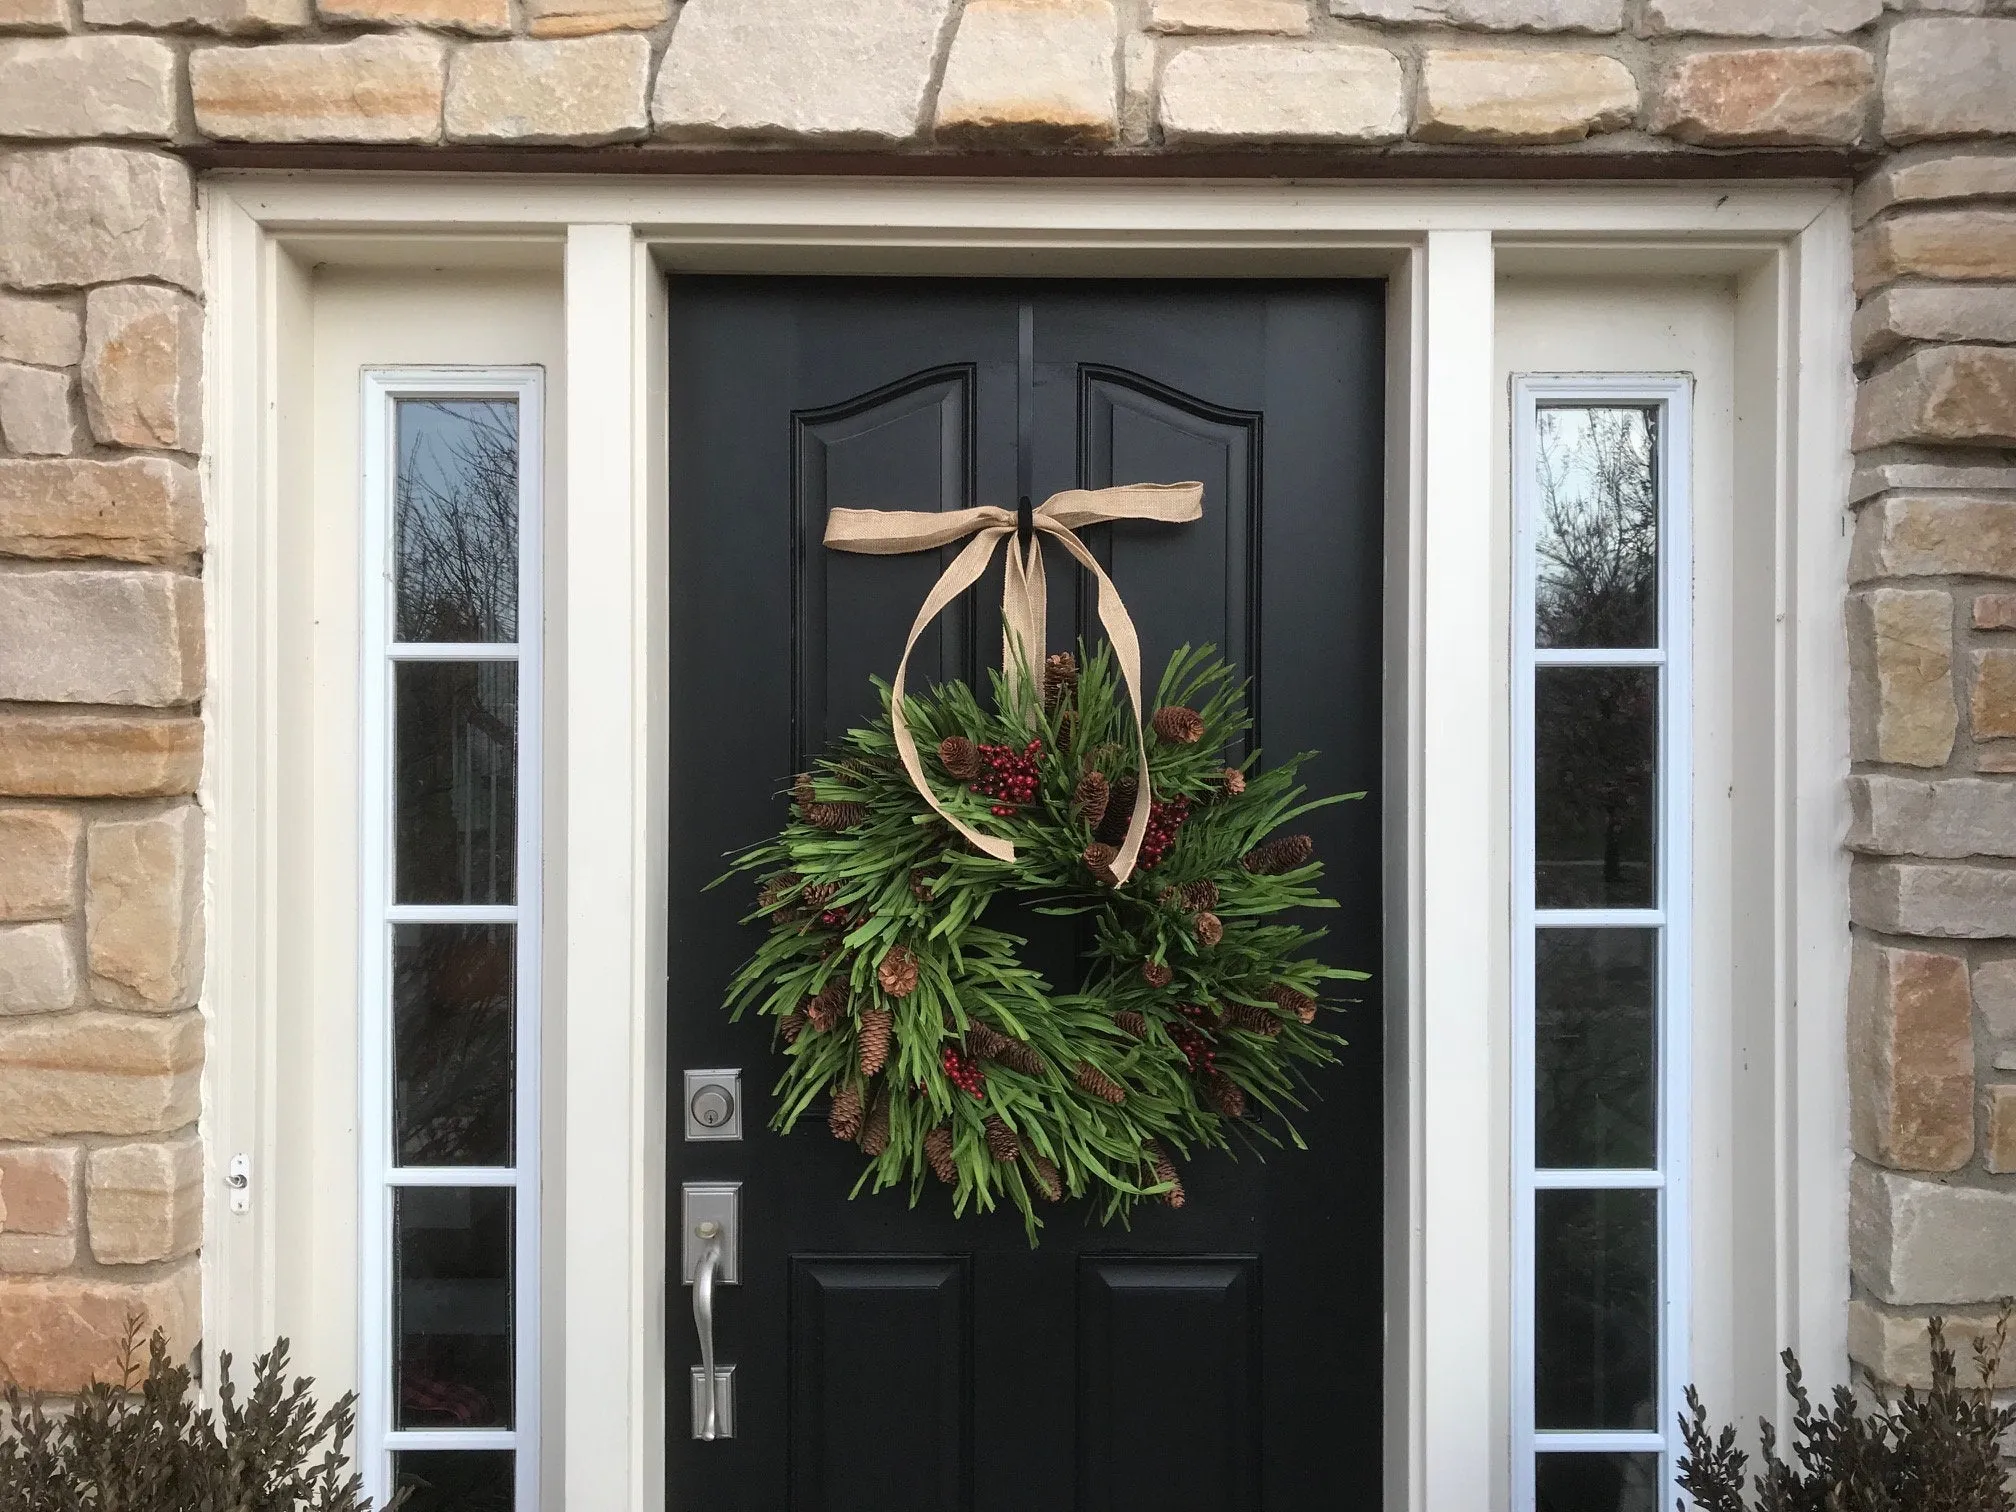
<point>457,781</point>
<point>453,991</point>
<point>452,1305</point>
<point>455,524</point>
<point>1595,779</point>
<point>1595,1354</point>
<point>453,1480</point>
<point>1596,534</point>
<point>1597,1483</point>
<point>1595,1048</point>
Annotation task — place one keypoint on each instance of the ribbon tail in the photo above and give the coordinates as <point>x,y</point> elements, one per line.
<point>964,571</point>
<point>1126,643</point>
<point>1025,611</point>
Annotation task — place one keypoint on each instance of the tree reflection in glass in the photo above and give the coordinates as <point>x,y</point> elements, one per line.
<point>452,998</point>
<point>1597,539</point>
<point>456,522</point>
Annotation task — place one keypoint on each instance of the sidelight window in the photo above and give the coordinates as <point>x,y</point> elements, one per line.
<point>449,1206</point>
<point>1600,995</point>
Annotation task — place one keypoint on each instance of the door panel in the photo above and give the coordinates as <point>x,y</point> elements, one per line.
<point>1225,1356</point>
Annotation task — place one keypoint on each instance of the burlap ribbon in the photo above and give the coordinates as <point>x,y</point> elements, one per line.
<point>1024,606</point>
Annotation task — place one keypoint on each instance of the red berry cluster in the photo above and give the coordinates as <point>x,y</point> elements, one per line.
<point>835,918</point>
<point>1193,1041</point>
<point>963,1071</point>
<point>1165,818</point>
<point>1007,775</point>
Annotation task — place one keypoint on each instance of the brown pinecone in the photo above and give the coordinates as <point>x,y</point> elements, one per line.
<point>1043,1171</point>
<point>984,1039</point>
<point>1155,974</point>
<point>1281,854</point>
<point>845,1118</point>
<point>1092,796</point>
<point>776,890</point>
<point>898,972</point>
<point>1210,929</point>
<point>938,1153</point>
<point>1018,1055</point>
<point>1001,1141</point>
<point>960,757</point>
<point>876,1024</point>
<point>1132,1023</point>
<point>875,1132</point>
<point>1253,1019</point>
<point>1225,1095</point>
<point>801,790</point>
<point>1233,781</point>
<point>1099,858</point>
<point>819,894</point>
<point>1119,810</point>
<point>834,816</point>
<point>1300,1004</point>
<point>790,1027</point>
<point>1178,725</point>
<point>1060,676</point>
<point>822,1010</point>
<point>921,888</point>
<point>1099,1084</point>
<point>1165,1170</point>
<point>1199,896</point>
<point>1067,730</point>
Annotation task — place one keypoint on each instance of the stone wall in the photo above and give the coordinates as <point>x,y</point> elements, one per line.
<point>104,103</point>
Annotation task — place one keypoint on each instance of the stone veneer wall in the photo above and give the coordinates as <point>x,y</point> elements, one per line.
<point>101,655</point>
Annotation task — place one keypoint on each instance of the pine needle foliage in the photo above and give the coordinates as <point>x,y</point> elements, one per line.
<point>146,1444</point>
<point>1933,1451</point>
<point>900,878</point>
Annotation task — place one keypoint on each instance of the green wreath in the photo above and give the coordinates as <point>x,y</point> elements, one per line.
<point>905,1009</point>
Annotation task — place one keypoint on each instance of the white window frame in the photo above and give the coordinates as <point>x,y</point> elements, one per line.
<point>613,241</point>
<point>1671,396</point>
<point>379,1174</point>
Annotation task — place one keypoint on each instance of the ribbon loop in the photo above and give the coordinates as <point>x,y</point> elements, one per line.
<point>1024,603</point>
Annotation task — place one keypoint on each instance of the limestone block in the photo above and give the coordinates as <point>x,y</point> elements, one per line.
<point>590,89</point>
<point>144,1202</point>
<point>143,350</point>
<point>480,18</point>
<point>1932,312</point>
<point>38,863</point>
<point>1282,92</point>
<point>38,969</point>
<point>42,331</point>
<point>842,73</point>
<point>46,755</point>
<point>1995,611</point>
<point>1921,535</point>
<point>137,509</point>
<point>1946,819</point>
<point>1995,997</point>
<point>34,15</point>
<point>232,18</point>
<point>1953,244</point>
<point>1965,173</point>
<point>60,1333</point>
<point>38,1190</point>
<point>108,636</point>
<point>1600,16</point>
<point>581,18</point>
<point>1896,1348</point>
<point>1992,707</point>
<point>2001,1151</point>
<point>91,214</point>
<point>143,919</point>
<point>1900,647</point>
<point>35,416</point>
<point>1903,475</point>
<point>1747,18</point>
<point>99,1073</point>
<point>36,1254</point>
<point>372,89</point>
<point>1286,18</point>
<point>1138,54</point>
<point>1479,95</point>
<point>1995,756</point>
<point>1949,76</point>
<point>87,87</point>
<point>1925,1242</point>
<point>1941,900</point>
<point>1910,1058</point>
<point>1031,73</point>
<point>1766,96</point>
<point>1942,396</point>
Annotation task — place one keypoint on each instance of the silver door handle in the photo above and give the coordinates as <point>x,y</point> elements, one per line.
<point>703,1320</point>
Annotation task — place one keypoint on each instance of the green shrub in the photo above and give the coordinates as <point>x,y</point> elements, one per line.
<point>145,1444</point>
<point>1933,1451</point>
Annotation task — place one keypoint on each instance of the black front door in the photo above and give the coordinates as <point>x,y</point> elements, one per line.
<point>1221,1358</point>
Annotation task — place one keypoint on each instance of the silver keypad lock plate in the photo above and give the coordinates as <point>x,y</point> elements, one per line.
<point>713,1105</point>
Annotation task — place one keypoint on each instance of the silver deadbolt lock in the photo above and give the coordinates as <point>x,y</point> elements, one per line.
<point>713,1104</point>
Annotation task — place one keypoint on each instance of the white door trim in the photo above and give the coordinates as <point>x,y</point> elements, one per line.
<point>1441,247</point>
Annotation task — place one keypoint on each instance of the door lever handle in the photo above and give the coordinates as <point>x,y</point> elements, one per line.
<point>709,1234</point>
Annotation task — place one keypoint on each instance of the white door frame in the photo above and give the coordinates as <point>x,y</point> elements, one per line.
<point>1441,249</point>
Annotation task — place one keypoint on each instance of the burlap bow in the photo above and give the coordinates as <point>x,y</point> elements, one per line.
<point>1024,606</point>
